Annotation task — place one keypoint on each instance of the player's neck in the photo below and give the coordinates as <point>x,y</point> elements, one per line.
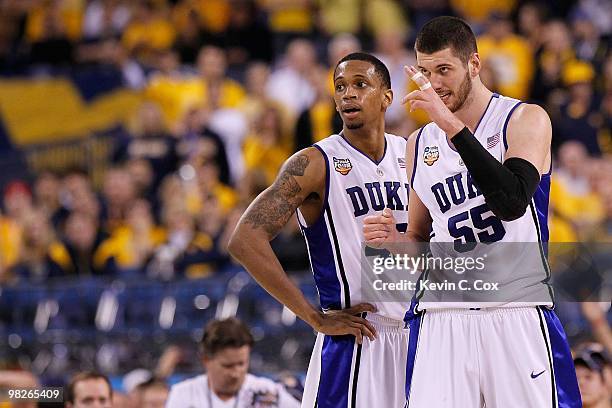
<point>475,105</point>
<point>370,140</point>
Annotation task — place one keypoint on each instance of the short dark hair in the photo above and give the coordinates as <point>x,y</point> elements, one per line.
<point>222,334</point>
<point>380,68</point>
<point>444,32</point>
<point>84,376</point>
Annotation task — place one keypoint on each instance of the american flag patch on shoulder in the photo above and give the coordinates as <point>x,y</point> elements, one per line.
<point>492,140</point>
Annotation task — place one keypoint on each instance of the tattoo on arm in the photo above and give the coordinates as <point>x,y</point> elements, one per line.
<point>272,209</point>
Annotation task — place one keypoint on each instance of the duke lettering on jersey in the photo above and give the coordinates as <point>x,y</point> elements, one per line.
<point>376,199</point>
<point>461,216</point>
<point>356,186</point>
<point>454,190</point>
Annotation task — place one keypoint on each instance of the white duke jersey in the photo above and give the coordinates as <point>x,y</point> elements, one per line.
<point>356,186</point>
<point>458,209</point>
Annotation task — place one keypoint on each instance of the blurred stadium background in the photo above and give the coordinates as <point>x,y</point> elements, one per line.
<point>133,134</point>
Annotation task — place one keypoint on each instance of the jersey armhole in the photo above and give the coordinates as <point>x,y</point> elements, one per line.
<point>416,155</point>
<point>300,217</point>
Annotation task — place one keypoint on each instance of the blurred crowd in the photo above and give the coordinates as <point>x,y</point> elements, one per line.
<point>231,88</point>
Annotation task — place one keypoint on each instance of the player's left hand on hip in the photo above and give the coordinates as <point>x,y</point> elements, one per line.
<point>426,98</point>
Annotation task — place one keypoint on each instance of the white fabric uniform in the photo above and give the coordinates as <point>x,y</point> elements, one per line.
<point>255,392</point>
<point>343,374</point>
<point>509,353</point>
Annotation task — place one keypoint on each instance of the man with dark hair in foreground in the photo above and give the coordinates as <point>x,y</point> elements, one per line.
<point>89,389</point>
<point>225,350</point>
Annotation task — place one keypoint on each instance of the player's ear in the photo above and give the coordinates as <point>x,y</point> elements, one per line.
<point>474,65</point>
<point>387,98</point>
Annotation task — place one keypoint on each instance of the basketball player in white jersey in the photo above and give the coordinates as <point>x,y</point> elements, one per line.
<point>480,173</point>
<point>359,358</point>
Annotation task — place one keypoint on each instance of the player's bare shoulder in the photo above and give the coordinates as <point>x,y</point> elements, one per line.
<point>529,136</point>
<point>530,114</point>
<point>300,180</point>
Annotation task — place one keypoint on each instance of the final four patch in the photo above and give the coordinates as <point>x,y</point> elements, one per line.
<point>342,166</point>
<point>431,155</point>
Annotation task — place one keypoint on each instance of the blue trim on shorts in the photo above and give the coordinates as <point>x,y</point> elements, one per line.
<point>336,360</point>
<point>414,321</point>
<point>568,393</point>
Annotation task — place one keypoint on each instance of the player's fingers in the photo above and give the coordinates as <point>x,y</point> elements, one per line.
<point>376,235</point>
<point>376,227</point>
<point>412,96</point>
<point>387,213</point>
<point>355,331</point>
<point>364,330</point>
<point>373,219</point>
<point>360,308</point>
<point>418,78</point>
<point>370,330</point>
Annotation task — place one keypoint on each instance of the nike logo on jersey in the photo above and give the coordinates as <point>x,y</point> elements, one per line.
<point>534,376</point>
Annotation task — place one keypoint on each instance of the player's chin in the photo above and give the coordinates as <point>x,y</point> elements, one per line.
<point>354,125</point>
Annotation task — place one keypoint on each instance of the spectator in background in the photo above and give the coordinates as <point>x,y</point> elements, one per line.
<point>82,238</point>
<point>118,194</point>
<point>340,45</point>
<point>151,141</point>
<point>588,42</point>
<point>594,372</point>
<point>154,394</point>
<point>17,200</point>
<point>572,197</point>
<point>47,195</point>
<point>219,91</point>
<point>76,194</point>
<point>246,39</point>
<point>186,250</point>
<point>579,117</point>
<point>391,50</point>
<point>265,150</point>
<point>551,58</point>
<point>10,246</point>
<point>131,246</point>
<point>256,80</point>
<point>174,89</point>
<point>89,389</point>
<point>289,84</point>
<point>199,143</point>
<point>189,36</point>
<point>321,119</point>
<point>148,31</point>
<point>508,55</point>
<point>531,17</point>
<point>225,350</point>
<point>42,254</point>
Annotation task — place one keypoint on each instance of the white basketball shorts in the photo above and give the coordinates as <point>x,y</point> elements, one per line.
<point>344,374</point>
<point>493,358</point>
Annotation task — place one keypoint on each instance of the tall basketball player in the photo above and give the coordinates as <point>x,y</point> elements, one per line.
<point>480,173</point>
<point>361,349</point>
